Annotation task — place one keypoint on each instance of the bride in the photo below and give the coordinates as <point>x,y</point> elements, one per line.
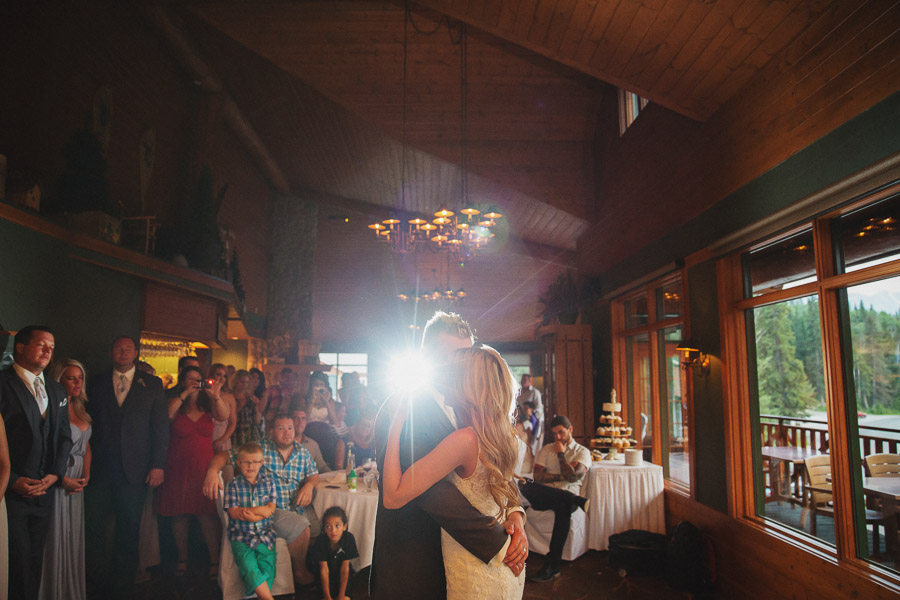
<point>479,457</point>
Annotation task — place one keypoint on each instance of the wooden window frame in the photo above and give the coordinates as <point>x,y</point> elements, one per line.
<point>620,368</point>
<point>733,307</point>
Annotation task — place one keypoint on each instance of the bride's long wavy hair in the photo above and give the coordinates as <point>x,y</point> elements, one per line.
<point>483,385</point>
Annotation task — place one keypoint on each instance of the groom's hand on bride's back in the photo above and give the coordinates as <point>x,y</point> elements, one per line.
<point>517,551</point>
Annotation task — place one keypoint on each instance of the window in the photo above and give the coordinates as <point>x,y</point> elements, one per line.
<point>630,106</point>
<point>649,375</point>
<point>818,311</point>
<point>345,362</point>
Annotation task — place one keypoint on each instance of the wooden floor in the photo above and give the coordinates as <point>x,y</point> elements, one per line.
<point>588,578</point>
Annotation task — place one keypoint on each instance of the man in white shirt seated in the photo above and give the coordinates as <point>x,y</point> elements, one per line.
<point>559,471</point>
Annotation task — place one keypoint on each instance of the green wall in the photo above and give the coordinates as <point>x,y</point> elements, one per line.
<point>86,305</point>
<point>863,141</point>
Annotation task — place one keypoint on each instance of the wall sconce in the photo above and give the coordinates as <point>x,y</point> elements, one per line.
<point>693,358</point>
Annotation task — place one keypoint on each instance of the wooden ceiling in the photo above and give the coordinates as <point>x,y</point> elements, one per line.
<point>321,83</point>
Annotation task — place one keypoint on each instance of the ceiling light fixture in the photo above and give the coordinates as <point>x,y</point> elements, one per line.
<point>461,233</point>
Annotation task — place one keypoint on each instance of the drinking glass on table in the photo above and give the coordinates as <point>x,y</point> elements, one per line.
<point>369,479</point>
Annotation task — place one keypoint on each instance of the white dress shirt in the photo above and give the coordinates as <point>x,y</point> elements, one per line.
<point>122,383</point>
<point>28,378</point>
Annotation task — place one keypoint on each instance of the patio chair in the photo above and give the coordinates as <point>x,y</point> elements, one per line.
<point>820,499</point>
<point>883,465</point>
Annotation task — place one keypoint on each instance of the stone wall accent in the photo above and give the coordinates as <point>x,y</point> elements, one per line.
<point>292,269</point>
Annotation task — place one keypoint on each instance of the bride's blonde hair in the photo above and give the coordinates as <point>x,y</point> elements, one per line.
<point>484,386</point>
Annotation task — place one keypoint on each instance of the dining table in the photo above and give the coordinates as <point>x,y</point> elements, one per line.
<point>623,497</point>
<point>794,457</point>
<point>360,506</point>
<point>887,489</point>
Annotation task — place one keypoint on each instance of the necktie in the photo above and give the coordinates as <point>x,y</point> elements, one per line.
<point>122,389</point>
<point>40,394</point>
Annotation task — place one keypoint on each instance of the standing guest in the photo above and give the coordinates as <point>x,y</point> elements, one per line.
<point>184,361</point>
<point>223,429</point>
<point>4,530</point>
<point>37,420</point>
<point>258,385</point>
<point>130,440</point>
<point>231,370</point>
<point>529,393</point>
<point>248,422</point>
<point>190,450</point>
<point>299,418</point>
<point>250,504</point>
<point>340,420</point>
<point>332,552</point>
<point>278,397</point>
<point>64,552</point>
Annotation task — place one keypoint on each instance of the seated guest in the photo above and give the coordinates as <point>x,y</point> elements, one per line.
<point>190,451</point>
<point>64,553</point>
<point>250,504</point>
<point>332,552</point>
<point>222,429</point>
<point>330,443</point>
<point>34,410</point>
<point>299,417</point>
<point>248,422</point>
<point>559,471</point>
<point>295,475</point>
<point>363,437</point>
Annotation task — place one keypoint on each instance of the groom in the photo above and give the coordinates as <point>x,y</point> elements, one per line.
<point>407,562</point>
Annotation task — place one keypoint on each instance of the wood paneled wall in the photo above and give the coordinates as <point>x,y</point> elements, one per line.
<point>667,169</point>
<point>54,59</point>
<point>753,564</point>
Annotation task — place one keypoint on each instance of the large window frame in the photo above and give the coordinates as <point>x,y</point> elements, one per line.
<point>735,310</point>
<point>658,401</point>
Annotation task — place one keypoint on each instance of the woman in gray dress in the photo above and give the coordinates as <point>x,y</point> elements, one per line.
<point>63,575</point>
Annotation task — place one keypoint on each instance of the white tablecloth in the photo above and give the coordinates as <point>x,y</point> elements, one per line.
<point>623,498</point>
<point>360,507</point>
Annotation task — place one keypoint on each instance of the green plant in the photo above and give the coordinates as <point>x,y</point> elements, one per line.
<point>561,300</point>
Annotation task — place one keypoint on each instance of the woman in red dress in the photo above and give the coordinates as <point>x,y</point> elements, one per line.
<point>181,496</point>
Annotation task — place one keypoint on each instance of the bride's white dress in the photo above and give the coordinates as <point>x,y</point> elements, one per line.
<point>467,576</point>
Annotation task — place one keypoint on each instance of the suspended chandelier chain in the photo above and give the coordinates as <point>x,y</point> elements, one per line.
<point>462,232</point>
<point>464,113</point>
<point>403,105</point>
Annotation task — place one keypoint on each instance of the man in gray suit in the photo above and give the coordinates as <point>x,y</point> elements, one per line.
<point>36,415</point>
<point>129,445</point>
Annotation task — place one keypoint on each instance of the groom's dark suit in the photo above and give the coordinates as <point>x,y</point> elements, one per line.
<point>127,442</point>
<point>407,562</point>
<point>37,447</point>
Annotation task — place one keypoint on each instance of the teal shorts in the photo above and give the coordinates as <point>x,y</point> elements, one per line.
<point>255,565</point>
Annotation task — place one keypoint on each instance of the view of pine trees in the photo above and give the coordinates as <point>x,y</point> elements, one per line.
<point>789,358</point>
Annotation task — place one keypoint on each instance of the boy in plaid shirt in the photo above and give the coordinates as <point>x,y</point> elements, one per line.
<point>250,503</point>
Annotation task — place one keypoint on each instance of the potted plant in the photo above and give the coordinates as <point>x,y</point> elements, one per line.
<point>560,301</point>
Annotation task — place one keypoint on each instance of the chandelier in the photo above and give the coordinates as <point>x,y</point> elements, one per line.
<point>461,233</point>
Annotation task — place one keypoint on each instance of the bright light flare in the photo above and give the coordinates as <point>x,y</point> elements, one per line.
<point>410,372</point>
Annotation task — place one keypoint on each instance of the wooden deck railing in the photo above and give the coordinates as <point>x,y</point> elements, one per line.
<point>779,430</point>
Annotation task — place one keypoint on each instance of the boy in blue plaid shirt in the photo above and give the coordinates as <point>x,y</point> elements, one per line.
<point>250,503</point>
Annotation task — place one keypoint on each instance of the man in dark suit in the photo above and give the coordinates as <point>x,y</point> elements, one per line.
<point>129,445</point>
<point>407,562</point>
<point>37,424</point>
